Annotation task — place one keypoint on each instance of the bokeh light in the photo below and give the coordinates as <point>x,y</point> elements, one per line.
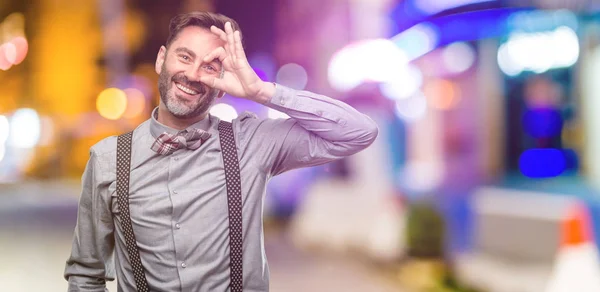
<point>442,94</point>
<point>542,162</point>
<point>10,52</point>
<point>506,63</point>
<point>539,52</point>
<point>417,40</point>
<point>111,103</point>
<point>381,60</point>
<point>224,112</point>
<point>404,85</point>
<point>422,176</point>
<point>292,75</point>
<point>136,103</point>
<point>5,63</point>
<point>4,129</point>
<point>342,72</point>
<point>25,126</point>
<point>458,57</point>
<point>412,108</point>
<point>21,49</point>
<point>566,42</point>
<point>263,64</point>
<point>377,60</point>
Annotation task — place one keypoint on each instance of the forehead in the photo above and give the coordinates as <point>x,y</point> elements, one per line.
<point>197,39</point>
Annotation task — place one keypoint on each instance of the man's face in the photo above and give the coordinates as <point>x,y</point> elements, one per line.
<point>180,68</point>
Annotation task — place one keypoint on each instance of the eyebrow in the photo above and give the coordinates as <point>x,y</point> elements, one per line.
<point>185,50</point>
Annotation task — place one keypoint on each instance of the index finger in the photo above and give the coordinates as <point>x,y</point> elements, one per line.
<point>219,32</point>
<point>218,53</point>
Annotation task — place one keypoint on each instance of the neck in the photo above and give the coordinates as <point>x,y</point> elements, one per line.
<point>166,118</point>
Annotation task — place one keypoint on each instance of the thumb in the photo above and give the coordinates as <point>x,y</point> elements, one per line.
<point>213,82</point>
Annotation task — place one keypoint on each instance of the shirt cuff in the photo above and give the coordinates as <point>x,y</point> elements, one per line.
<point>284,97</point>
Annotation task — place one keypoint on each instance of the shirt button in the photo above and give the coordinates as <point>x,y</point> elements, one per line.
<point>176,158</point>
<point>183,265</point>
<point>175,192</point>
<point>320,113</point>
<point>177,226</point>
<point>282,101</point>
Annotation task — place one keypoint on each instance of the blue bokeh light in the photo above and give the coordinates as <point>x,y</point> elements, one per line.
<point>542,162</point>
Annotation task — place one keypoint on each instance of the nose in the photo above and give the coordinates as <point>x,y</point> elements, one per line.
<point>193,73</point>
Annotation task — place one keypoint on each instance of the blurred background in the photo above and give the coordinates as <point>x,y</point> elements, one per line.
<point>485,175</point>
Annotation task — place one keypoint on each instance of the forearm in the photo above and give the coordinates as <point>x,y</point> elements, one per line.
<point>330,119</point>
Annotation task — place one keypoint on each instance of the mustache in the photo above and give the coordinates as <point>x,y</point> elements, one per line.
<point>196,85</point>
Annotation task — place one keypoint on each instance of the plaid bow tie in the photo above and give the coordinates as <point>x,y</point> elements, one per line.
<point>167,143</point>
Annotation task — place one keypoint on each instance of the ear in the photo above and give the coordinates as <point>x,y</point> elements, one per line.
<point>160,59</point>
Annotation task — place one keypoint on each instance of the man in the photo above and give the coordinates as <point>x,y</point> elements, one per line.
<point>178,197</point>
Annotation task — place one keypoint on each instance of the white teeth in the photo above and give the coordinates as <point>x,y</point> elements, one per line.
<point>186,90</point>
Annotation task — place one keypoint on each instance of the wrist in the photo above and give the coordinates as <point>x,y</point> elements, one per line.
<point>265,93</point>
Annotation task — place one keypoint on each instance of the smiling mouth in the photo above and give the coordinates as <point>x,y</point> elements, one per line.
<point>185,89</point>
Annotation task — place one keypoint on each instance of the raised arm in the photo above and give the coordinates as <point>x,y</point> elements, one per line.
<point>320,129</point>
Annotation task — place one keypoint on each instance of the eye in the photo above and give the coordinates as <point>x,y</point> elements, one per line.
<point>210,68</point>
<point>185,58</point>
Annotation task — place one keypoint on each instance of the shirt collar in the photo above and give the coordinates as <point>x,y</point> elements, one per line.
<point>157,128</point>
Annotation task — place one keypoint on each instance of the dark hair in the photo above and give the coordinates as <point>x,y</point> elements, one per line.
<point>200,19</point>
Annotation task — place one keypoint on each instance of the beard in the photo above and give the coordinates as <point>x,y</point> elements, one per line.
<point>178,106</point>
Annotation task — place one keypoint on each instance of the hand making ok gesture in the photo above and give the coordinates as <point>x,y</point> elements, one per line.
<point>239,79</point>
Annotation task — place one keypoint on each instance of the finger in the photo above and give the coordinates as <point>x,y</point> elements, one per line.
<point>219,32</point>
<point>221,56</point>
<point>230,41</point>
<point>239,49</point>
<point>213,82</point>
<point>218,53</point>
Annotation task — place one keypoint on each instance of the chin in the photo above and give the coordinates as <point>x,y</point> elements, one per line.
<point>181,111</point>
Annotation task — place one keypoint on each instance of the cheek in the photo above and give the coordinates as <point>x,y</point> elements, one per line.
<point>170,66</point>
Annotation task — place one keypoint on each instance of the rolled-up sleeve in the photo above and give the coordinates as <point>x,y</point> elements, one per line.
<point>320,129</point>
<point>91,262</point>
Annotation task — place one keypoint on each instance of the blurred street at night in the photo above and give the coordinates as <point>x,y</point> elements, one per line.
<point>484,177</point>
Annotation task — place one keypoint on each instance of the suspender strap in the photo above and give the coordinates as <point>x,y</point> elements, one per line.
<point>123,168</point>
<point>234,200</point>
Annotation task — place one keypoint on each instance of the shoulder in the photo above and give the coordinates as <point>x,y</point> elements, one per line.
<point>245,120</point>
<point>105,146</point>
<point>105,150</point>
<point>100,154</point>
